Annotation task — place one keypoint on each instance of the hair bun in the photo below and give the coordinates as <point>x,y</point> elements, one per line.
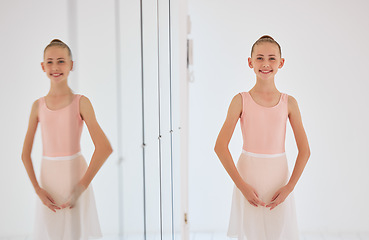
<point>56,41</point>
<point>266,36</point>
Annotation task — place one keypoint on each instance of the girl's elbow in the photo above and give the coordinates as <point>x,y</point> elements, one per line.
<point>308,152</point>
<point>305,152</point>
<point>25,156</point>
<point>216,148</point>
<point>104,146</point>
<point>219,148</point>
<point>109,149</point>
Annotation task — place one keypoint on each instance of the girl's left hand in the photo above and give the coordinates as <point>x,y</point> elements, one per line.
<point>76,193</point>
<point>279,197</point>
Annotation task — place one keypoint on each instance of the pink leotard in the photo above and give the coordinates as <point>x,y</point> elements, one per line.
<point>263,128</point>
<point>61,129</point>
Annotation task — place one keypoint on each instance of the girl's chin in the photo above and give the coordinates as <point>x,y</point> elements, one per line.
<point>58,80</point>
<point>266,77</point>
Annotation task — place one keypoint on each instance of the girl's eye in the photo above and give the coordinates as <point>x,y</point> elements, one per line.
<point>259,58</point>
<point>61,61</point>
<point>272,59</point>
<point>49,62</point>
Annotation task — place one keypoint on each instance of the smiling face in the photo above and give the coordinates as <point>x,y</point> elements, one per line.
<point>266,60</point>
<point>57,64</point>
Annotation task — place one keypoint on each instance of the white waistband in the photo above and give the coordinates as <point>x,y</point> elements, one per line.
<point>263,155</point>
<point>63,157</point>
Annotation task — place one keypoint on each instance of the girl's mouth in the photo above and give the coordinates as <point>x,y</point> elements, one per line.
<point>266,72</point>
<point>56,74</point>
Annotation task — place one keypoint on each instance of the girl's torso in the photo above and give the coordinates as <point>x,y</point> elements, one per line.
<point>60,129</point>
<point>263,128</point>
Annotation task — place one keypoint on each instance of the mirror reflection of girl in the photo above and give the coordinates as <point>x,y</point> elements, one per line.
<point>67,209</point>
<point>263,205</point>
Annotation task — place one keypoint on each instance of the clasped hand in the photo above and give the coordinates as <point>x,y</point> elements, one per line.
<point>49,202</point>
<point>76,193</point>
<point>252,197</point>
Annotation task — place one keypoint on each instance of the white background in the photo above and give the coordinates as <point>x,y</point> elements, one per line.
<point>325,44</point>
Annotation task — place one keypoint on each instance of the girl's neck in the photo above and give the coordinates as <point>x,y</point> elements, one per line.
<point>60,89</point>
<point>263,86</point>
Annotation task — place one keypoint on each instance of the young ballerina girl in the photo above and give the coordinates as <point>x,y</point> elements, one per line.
<point>262,205</point>
<point>66,210</point>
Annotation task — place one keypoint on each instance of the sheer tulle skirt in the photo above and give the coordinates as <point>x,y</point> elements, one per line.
<point>58,178</point>
<point>266,173</point>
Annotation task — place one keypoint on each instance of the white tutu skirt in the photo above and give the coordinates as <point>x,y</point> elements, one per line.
<point>266,174</point>
<point>58,178</point>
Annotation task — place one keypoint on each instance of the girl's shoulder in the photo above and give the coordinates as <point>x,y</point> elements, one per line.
<point>291,100</point>
<point>241,95</point>
<point>80,98</point>
<point>85,104</point>
<point>238,97</point>
<point>35,107</point>
<point>36,104</point>
<point>83,100</point>
<point>235,107</point>
<point>293,106</point>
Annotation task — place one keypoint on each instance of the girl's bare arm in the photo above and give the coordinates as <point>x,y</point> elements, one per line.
<point>221,149</point>
<point>301,141</point>
<point>302,157</point>
<point>102,145</point>
<point>45,197</point>
<point>28,144</point>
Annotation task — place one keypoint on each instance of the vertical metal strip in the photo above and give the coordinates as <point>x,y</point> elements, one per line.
<point>119,118</point>
<point>159,116</point>
<point>143,124</point>
<point>171,114</point>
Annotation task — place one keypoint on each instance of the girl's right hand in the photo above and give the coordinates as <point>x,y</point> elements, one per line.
<point>250,194</point>
<point>47,200</point>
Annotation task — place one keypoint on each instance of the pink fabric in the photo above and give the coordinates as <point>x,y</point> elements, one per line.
<point>263,128</point>
<point>61,129</point>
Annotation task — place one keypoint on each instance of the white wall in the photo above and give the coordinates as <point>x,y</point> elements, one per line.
<point>325,44</point>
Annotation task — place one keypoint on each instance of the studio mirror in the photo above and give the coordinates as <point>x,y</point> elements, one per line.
<point>127,62</point>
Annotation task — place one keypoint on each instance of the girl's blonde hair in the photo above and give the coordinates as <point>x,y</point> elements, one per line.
<point>266,38</point>
<point>58,43</point>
